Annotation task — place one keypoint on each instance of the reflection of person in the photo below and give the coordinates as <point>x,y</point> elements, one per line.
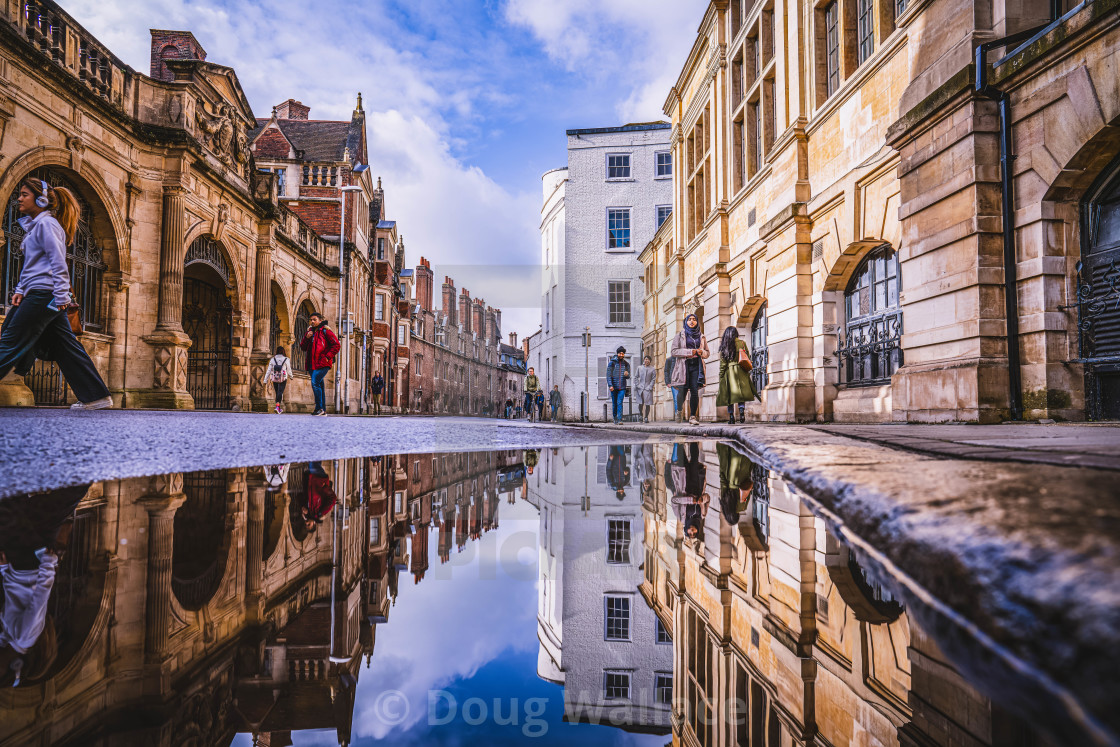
<point>276,475</point>
<point>37,325</point>
<point>735,484</point>
<point>318,496</point>
<point>618,471</point>
<point>532,456</point>
<point>686,474</point>
<point>690,348</point>
<point>34,534</point>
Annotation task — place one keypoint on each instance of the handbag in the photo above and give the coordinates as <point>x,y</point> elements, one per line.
<point>745,360</point>
<point>74,315</point>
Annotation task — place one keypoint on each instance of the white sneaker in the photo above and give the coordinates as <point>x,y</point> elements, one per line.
<point>97,404</point>
<point>693,421</point>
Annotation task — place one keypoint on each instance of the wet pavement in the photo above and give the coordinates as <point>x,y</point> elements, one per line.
<point>639,591</point>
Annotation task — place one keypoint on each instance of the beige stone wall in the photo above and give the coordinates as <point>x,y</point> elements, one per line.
<point>902,153</point>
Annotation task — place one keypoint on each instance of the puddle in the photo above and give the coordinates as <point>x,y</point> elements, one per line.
<point>637,595</point>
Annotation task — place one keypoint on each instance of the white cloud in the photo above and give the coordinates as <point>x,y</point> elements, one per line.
<point>449,211</point>
<point>640,43</point>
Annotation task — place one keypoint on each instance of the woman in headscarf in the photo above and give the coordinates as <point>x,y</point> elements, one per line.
<point>686,476</point>
<point>690,347</point>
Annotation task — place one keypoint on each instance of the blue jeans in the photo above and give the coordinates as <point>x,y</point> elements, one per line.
<point>317,388</point>
<point>617,396</point>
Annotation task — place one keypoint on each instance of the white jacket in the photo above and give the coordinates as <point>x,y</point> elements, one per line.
<point>26,594</point>
<point>285,367</point>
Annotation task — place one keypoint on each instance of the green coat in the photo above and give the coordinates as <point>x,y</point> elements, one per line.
<point>735,384</point>
<point>734,468</point>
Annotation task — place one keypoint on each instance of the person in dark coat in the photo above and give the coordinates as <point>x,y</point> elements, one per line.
<point>618,381</point>
<point>321,345</point>
<point>376,387</point>
<point>618,470</point>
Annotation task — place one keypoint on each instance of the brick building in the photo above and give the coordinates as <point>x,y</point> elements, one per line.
<point>457,363</point>
<point>838,196</point>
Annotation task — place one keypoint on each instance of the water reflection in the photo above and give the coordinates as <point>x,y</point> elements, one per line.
<point>556,595</point>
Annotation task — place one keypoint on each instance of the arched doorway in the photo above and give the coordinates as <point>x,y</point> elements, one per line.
<point>86,262</point>
<point>200,543</point>
<point>208,321</point>
<point>1098,296</point>
<point>299,329</point>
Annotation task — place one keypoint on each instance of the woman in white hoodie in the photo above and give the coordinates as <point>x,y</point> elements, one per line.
<point>278,371</point>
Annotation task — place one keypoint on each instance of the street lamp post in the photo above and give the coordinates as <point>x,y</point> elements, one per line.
<point>343,285</point>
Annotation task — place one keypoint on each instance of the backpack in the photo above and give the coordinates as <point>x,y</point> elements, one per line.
<point>276,371</point>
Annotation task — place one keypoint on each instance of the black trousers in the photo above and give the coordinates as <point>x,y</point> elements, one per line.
<point>279,387</point>
<point>691,388</point>
<point>32,330</point>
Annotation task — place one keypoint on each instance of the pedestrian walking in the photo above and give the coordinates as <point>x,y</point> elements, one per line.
<point>685,476</point>
<point>690,348</point>
<point>532,386</point>
<point>618,470</point>
<point>556,402</point>
<point>618,381</point>
<point>540,404</point>
<point>321,346</point>
<point>670,363</point>
<point>643,387</point>
<point>376,387</point>
<point>278,371</point>
<point>509,409</point>
<point>735,384</point>
<point>38,325</point>
<point>318,497</point>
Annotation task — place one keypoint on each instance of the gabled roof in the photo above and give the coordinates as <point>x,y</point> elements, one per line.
<point>317,140</point>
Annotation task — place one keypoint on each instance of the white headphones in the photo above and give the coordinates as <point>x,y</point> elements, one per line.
<point>42,201</point>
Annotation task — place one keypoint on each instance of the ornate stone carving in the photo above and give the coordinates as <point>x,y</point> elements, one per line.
<point>77,148</point>
<point>175,108</point>
<point>224,134</point>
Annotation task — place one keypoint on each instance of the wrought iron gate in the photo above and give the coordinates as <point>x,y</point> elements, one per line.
<point>208,320</point>
<point>1098,300</point>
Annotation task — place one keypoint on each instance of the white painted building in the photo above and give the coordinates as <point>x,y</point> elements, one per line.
<point>597,215</point>
<point>598,637</point>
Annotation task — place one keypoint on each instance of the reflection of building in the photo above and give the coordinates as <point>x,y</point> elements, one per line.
<point>598,637</point>
<point>209,592</point>
<point>780,638</point>
<point>839,198</point>
<point>596,215</point>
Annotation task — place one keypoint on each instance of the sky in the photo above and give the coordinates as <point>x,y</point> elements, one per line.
<point>466,101</point>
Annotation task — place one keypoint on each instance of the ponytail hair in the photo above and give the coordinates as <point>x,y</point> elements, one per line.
<point>62,204</point>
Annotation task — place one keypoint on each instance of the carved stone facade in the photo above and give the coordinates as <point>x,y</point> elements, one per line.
<point>196,266</point>
<point>838,193</point>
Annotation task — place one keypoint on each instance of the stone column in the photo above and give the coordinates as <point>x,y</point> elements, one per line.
<point>172,251</point>
<point>118,290</point>
<point>162,501</point>
<point>262,321</point>
<point>254,540</point>
<point>170,342</point>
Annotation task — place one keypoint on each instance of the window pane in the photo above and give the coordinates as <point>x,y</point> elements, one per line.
<point>618,166</point>
<point>618,619</point>
<point>664,164</point>
<point>865,29</point>
<point>618,228</point>
<point>663,213</point>
<point>618,541</point>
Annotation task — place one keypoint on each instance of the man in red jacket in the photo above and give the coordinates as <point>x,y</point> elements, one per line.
<point>320,346</point>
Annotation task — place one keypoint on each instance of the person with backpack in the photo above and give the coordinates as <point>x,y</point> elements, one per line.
<point>532,386</point>
<point>540,405</point>
<point>377,386</point>
<point>278,372</point>
<point>618,381</point>
<point>321,345</point>
<point>37,326</point>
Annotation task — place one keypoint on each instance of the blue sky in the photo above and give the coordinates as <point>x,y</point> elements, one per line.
<point>467,100</point>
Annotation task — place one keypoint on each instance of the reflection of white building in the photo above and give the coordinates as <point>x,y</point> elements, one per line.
<point>598,638</point>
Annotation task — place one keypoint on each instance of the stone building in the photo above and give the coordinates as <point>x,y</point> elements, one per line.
<point>190,265</point>
<point>597,214</point>
<point>780,636</point>
<point>456,364</point>
<point>839,198</point>
<point>203,602</point>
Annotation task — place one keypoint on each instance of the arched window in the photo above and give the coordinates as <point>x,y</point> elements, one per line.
<point>760,354</point>
<point>303,321</point>
<point>1098,295</point>
<point>870,350</point>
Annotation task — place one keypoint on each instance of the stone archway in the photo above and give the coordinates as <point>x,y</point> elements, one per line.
<point>87,259</point>
<point>208,322</point>
<point>201,539</point>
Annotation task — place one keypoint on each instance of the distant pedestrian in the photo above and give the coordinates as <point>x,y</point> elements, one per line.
<point>278,371</point>
<point>735,384</point>
<point>37,325</point>
<point>670,363</point>
<point>376,387</point>
<point>509,409</point>
<point>532,386</point>
<point>540,404</point>
<point>556,402</point>
<point>618,381</point>
<point>690,348</point>
<point>643,387</point>
<point>321,345</point>
<point>618,470</point>
<point>318,496</point>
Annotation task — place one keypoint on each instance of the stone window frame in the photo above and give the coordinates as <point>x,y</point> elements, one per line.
<point>617,684</point>
<point>379,307</point>
<point>617,618</point>
<point>619,537</point>
<point>663,688</point>
<point>663,170</point>
<point>663,212</point>
<point>617,305</point>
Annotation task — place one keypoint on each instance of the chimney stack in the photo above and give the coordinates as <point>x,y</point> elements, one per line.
<point>478,318</point>
<point>465,309</point>
<point>513,339</point>
<point>449,309</point>
<point>172,45</point>
<point>424,284</point>
<point>292,109</point>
